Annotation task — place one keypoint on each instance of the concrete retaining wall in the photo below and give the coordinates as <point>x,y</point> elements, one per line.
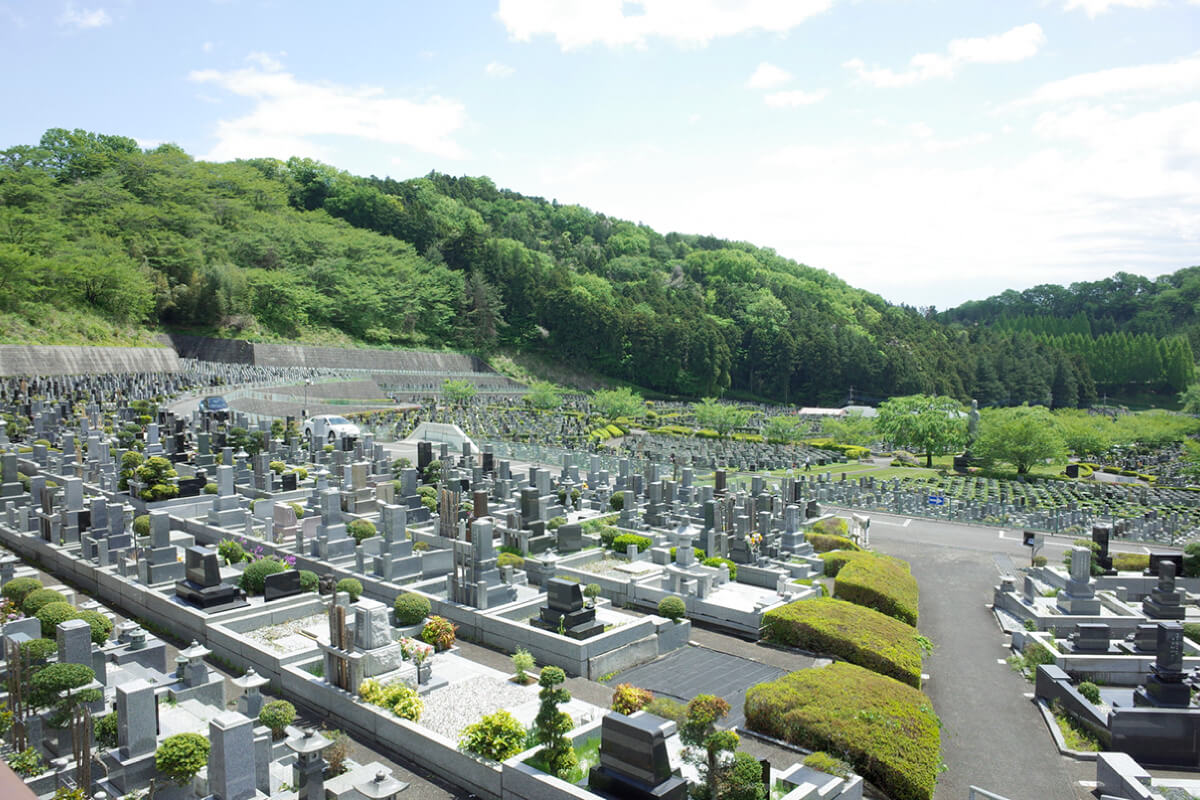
<point>73,360</point>
<point>291,355</point>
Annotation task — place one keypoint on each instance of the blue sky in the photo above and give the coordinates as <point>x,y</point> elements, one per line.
<point>932,151</point>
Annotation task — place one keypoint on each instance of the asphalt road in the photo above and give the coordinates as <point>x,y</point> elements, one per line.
<point>993,736</point>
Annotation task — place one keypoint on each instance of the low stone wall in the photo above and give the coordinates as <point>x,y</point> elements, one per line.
<point>294,355</point>
<point>1054,684</point>
<point>1118,775</point>
<point>31,360</point>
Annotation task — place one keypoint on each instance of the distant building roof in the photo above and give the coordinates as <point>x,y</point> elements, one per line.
<point>813,411</point>
<point>866,411</point>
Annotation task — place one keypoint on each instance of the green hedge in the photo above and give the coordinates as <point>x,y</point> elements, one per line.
<point>885,729</point>
<point>825,542</point>
<point>836,559</point>
<point>621,543</point>
<point>859,635</point>
<point>881,583</point>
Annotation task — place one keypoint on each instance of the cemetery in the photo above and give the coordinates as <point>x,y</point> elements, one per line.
<point>355,577</point>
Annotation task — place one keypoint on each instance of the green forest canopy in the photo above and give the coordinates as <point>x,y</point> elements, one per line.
<point>297,249</point>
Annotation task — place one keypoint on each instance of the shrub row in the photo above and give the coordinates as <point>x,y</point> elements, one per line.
<point>824,542</point>
<point>1131,562</point>
<point>883,584</point>
<point>859,635</point>
<point>885,729</point>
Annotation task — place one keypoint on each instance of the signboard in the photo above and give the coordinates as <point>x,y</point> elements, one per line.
<point>937,500</point>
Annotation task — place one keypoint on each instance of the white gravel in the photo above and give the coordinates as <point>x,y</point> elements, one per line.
<point>450,709</point>
<point>286,637</point>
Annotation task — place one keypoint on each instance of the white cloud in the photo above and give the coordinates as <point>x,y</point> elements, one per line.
<point>83,18</point>
<point>768,76</point>
<point>794,98</point>
<point>497,70</point>
<point>1018,44</point>
<point>1095,8</point>
<point>618,23</point>
<point>289,114</point>
<point>1182,76</point>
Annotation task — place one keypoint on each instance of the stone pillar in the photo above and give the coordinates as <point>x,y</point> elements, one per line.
<point>74,642</point>
<point>231,768</point>
<point>137,718</point>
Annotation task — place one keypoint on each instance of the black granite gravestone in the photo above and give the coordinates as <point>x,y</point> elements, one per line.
<point>564,611</point>
<point>202,586</point>
<point>634,764</point>
<point>280,585</point>
<point>289,481</point>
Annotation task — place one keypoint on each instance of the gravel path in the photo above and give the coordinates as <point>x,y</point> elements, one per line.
<point>450,709</point>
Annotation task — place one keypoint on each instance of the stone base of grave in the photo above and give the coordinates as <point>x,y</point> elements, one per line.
<point>210,598</point>
<point>1161,694</point>
<point>1167,608</point>
<point>1084,606</point>
<point>151,574</point>
<point>609,783</point>
<point>335,548</point>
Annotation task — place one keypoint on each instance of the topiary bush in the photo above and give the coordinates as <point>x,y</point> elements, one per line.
<point>497,736</point>
<point>256,572</point>
<point>617,501</point>
<point>553,725</point>
<point>856,634</point>
<point>18,589</point>
<point>622,543</point>
<point>51,614</point>
<point>34,601</point>
<point>411,608</point>
<point>627,698</point>
<point>231,552</point>
<point>277,715</point>
<point>832,526</point>
<point>842,708</point>
<point>141,525</point>
<point>361,529</point>
<point>823,762</point>
<point>181,756</point>
<point>210,488</point>
<point>351,586</point>
<point>1090,692</point>
<point>309,582</point>
<point>742,780</point>
<point>101,625</point>
<point>672,607</point>
<point>439,632</point>
<point>884,584</point>
<point>834,560</point>
<point>38,650</point>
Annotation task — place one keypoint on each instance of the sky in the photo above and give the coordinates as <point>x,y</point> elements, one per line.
<point>931,151</point>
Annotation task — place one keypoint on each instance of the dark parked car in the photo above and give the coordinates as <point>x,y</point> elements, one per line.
<point>214,406</point>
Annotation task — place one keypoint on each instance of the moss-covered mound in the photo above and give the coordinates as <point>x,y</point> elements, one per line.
<point>859,635</point>
<point>881,583</point>
<point>886,729</point>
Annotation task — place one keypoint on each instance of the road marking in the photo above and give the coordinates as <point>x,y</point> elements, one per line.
<point>999,534</point>
<point>924,676</point>
<point>1029,695</point>
<point>1001,660</point>
<point>907,522</point>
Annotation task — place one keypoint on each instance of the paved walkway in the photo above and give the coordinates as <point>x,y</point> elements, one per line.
<point>992,736</point>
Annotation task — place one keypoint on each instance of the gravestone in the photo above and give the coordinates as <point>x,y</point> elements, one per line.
<point>231,770</point>
<point>137,718</point>
<point>202,587</point>
<point>564,611</point>
<point>1164,600</point>
<point>570,537</point>
<point>634,764</point>
<point>281,585</point>
<point>1079,598</point>
<point>1165,688</point>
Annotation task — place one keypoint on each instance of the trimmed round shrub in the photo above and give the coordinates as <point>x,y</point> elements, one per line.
<point>397,697</point>
<point>38,650</point>
<point>617,501</point>
<point>231,552</point>
<point>411,608</point>
<point>53,613</point>
<point>497,736</point>
<point>884,584</point>
<point>622,543</point>
<point>742,780</point>
<point>181,756</point>
<point>34,601</point>
<point>361,529</point>
<point>351,586</point>
<point>141,525</point>
<point>1090,692</point>
<point>672,607</point>
<point>256,572</point>
<point>277,715</point>
<point>627,698</point>
<point>18,589</point>
<point>824,542</point>
<point>510,560</point>
<point>439,632</point>
<point>299,509</point>
<point>698,552</point>
<point>210,488</point>
<point>309,582</point>
<point>102,626</point>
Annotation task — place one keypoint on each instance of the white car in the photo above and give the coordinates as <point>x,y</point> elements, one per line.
<point>330,427</point>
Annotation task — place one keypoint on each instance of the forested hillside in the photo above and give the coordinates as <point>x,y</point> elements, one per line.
<point>298,249</point>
